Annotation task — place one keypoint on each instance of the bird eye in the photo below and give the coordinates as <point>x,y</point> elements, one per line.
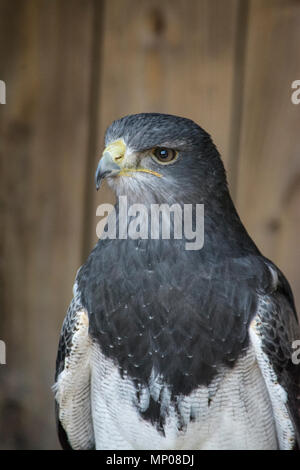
<point>164,155</point>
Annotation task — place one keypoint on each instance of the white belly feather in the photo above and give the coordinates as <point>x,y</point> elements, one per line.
<point>239,415</point>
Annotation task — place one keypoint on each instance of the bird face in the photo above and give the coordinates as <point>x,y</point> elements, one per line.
<point>119,161</point>
<point>160,158</point>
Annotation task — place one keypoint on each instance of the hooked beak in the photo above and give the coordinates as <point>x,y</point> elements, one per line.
<point>106,167</point>
<point>112,163</point>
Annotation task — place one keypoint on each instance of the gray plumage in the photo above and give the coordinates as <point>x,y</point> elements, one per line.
<point>168,348</point>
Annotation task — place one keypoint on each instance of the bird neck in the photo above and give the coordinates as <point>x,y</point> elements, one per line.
<point>212,224</point>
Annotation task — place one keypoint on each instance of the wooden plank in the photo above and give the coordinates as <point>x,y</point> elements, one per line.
<point>45,59</point>
<point>269,169</point>
<point>176,57</point>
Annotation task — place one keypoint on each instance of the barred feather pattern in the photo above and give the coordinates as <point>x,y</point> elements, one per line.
<point>72,388</point>
<point>272,332</point>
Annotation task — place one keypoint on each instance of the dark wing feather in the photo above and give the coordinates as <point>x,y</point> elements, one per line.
<point>64,348</point>
<point>277,327</point>
<point>72,382</point>
<point>61,433</point>
<point>66,335</point>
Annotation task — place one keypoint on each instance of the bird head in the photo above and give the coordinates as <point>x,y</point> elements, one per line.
<point>155,157</point>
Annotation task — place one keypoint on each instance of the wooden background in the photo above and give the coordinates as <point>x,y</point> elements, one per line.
<point>71,67</point>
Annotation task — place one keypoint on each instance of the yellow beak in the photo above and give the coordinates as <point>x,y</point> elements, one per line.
<point>111,163</point>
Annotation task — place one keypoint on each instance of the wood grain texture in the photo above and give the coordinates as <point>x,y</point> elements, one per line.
<point>269,168</point>
<point>45,62</point>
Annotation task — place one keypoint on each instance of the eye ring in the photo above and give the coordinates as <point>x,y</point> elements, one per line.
<point>163,155</point>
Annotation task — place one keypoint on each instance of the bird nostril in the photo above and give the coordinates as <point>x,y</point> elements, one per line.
<point>119,157</point>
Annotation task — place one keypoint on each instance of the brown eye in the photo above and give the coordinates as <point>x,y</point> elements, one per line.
<point>164,155</point>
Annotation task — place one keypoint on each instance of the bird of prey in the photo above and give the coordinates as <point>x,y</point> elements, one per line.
<point>168,348</point>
